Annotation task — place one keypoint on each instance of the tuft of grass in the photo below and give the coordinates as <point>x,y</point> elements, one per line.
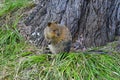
<point>12,5</point>
<point>12,43</point>
<point>71,67</point>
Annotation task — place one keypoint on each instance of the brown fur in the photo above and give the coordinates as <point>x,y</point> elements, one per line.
<point>58,36</point>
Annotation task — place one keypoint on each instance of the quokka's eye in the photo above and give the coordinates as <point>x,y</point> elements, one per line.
<point>54,30</point>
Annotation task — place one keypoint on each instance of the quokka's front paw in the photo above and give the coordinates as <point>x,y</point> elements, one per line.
<point>47,51</point>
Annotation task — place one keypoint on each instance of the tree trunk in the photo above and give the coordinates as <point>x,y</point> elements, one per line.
<point>92,22</point>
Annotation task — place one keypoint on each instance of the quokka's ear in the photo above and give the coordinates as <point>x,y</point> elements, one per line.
<point>49,23</point>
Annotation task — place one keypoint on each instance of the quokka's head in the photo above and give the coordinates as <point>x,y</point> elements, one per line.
<point>54,29</point>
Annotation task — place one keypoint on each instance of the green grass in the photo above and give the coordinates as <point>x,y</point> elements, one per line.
<point>12,5</point>
<point>19,62</point>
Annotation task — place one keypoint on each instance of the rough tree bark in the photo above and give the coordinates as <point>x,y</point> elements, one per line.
<point>92,22</point>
